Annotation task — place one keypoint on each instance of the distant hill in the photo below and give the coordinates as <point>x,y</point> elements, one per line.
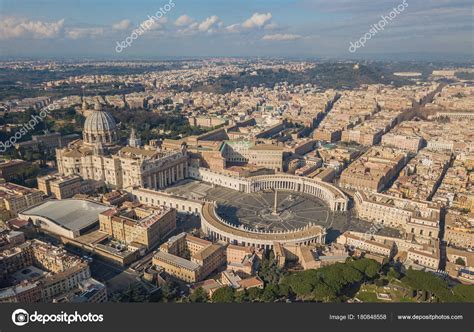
<point>327,75</point>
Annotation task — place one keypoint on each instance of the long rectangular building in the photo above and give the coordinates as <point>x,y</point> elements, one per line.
<point>374,169</point>
<point>419,218</point>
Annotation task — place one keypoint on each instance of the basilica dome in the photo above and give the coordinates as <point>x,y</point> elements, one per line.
<point>100,127</point>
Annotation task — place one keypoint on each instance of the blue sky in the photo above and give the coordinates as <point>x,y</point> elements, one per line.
<point>319,28</point>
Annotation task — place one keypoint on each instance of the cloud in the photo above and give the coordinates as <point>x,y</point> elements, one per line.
<point>79,33</point>
<point>271,26</point>
<point>281,37</point>
<point>183,20</point>
<point>257,20</point>
<point>156,26</point>
<point>233,28</point>
<point>208,23</point>
<point>190,30</point>
<point>153,24</point>
<point>13,27</point>
<point>122,25</point>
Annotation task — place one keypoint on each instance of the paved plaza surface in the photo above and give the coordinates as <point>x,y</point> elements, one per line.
<point>256,210</point>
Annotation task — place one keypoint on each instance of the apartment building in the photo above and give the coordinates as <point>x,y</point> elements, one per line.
<point>365,243</point>
<point>460,265</point>
<point>189,258</point>
<point>459,230</point>
<point>60,187</point>
<point>241,259</point>
<point>426,257</point>
<point>374,169</point>
<point>265,155</point>
<point>15,198</point>
<point>421,177</point>
<point>142,225</point>
<point>39,271</point>
<point>403,142</point>
<point>419,218</point>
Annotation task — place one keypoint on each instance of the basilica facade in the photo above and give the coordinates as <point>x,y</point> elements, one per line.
<point>100,157</point>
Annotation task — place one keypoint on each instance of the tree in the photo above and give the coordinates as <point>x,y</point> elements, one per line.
<point>155,296</point>
<point>464,293</point>
<point>426,281</point>
<point>254,294</point>
<point>27,176</point>
<point>301,283</point>
<point>66,129</point>
<point>284,290</point>
<point>372,269</point>
<point>134,293</point>
<point>324,293</point>
<point>223,295</point>
<point>380,282</point>
<point>168,291</point>
<point>460,261</point>
<point>369,267</point>
<point>338,275</point>
<point>270,293</point>
<point>28,155</point>
<point>393,274</point>
<point>335,278</point>
<point>138,293</point>
<point>269,270</point>
<point>241,296</point>
<point>199,296</point>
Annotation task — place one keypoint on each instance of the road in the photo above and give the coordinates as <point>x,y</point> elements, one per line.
<point>115,277</point>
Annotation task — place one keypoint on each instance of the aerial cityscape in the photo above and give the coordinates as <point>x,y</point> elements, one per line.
<point>231,170</point>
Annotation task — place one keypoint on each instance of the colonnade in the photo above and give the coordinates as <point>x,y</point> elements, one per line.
<point>166,177</point>
<point>219,230</point>
<point>336,200</point>
<point>267,245</point>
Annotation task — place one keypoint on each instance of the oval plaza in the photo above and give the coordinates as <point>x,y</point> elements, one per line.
<point>218,227</point>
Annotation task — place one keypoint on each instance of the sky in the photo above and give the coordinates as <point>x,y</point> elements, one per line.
<point>122,29</point>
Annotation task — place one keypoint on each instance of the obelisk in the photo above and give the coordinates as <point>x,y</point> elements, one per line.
<point>276,202</point>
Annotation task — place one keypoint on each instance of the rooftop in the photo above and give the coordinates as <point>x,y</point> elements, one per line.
<point>176,260</point>
<point>72,214</point>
